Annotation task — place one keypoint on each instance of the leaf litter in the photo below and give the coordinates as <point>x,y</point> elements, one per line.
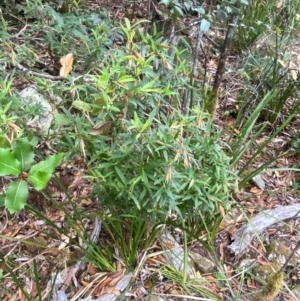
<point>26,238</point>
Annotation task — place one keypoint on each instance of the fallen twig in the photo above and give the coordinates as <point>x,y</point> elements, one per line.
<point>243,237</point>
<point>48,76</point>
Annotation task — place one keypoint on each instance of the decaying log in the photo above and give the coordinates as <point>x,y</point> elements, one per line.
<point>243,237</point>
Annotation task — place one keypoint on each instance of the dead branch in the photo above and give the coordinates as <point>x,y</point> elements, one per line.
<point>243,237</point>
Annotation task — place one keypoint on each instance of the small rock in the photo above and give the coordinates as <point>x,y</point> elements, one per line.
<point>202,264</point>
<point>30,96</point>
<point>259,182</point>
<point>246,263</point>
<point>175,254</point>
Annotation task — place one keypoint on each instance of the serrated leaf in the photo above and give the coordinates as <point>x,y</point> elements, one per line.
<point>9,165</point>
<point>47,165</point>
<point>66,62</point>
<point>23,151</point>
<point>39,179</point>
<point>16,196</point>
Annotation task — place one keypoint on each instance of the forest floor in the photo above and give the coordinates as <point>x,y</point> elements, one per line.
<point>26,239</point>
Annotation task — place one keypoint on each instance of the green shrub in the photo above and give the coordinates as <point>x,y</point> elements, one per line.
<point>137,77</point>
<point>142,153</point>
<point>88,35</point>
<point>170,165</point>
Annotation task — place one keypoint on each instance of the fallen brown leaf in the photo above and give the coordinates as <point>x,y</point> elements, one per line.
<point>101,129</point>
<point>66,62</point>
<point>91,270</point>
<point>115,280</point>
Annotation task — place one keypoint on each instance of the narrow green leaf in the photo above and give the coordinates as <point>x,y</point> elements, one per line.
<point>126,79</point>
<point>148,86</point>
<point>48,165</point>
<point>81,105</point>
<point>79,35</point>
<point>9,165</point>
<point>146,125</point>
<point>39,179</point>
<point>127,22</point>
<point>121,176</point>
<point>59,19</point>
<point>248,126</point>
<point>145,178</point>
<point>16,196</point>
<point>6,108</point>
<point>23,151</point>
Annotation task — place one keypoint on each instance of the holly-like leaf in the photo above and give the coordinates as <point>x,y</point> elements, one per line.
<point>39,179</point>
<point>9,165</point>
<point>47,165</point>
<point>16,196</point>
<point>66,62</point>
<point>23,151</point>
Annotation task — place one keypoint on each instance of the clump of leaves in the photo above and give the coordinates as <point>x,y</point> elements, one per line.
<point>136,77</point>
<point>89,35</point>
<point>174,165</point>
<point>16,160</point>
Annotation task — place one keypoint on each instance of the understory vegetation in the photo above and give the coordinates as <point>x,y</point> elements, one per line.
<point>142,122</point>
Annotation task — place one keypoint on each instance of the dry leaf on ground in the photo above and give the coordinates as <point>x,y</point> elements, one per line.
<point>66,62</point>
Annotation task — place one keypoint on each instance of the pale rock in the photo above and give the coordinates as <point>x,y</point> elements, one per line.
<point>31,96</point>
